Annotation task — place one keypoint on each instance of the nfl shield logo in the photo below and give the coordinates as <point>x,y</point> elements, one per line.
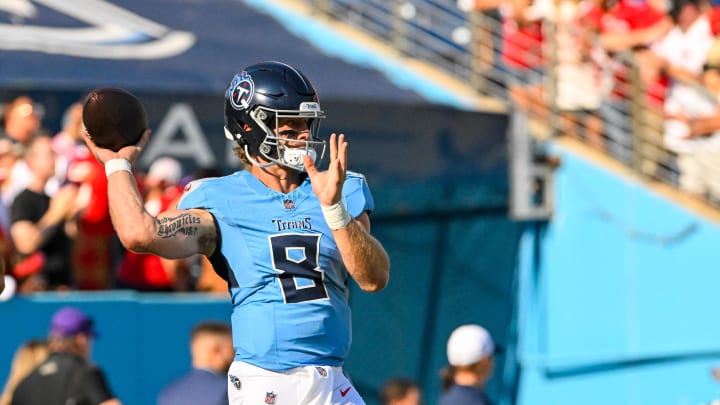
<point>289,204</point>
<point>270,398</point>
<point>321,371</point>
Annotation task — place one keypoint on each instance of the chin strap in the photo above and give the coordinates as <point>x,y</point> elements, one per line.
<point>255,162</point>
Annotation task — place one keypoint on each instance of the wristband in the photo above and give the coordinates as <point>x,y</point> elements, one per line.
<point>336,216</point>
<point>116,165</point>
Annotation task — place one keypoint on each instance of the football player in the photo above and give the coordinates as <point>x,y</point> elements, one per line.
<point>285,236</point>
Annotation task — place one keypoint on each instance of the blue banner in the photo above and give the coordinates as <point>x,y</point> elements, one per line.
<point>163,45</point>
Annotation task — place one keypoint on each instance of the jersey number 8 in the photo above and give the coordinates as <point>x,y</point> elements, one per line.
<point>296,258</point>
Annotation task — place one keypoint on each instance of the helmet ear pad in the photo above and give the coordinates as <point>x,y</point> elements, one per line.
<point>250,135</point>
<point>260,130</point>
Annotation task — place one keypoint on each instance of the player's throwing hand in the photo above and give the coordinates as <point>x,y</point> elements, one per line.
<point>129,153</point>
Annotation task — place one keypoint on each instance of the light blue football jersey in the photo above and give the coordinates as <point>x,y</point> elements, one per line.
<point>287,281</point>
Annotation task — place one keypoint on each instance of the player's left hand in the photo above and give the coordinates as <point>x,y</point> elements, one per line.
<point>327,185</point>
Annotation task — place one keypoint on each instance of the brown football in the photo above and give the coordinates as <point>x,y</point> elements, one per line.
<point>113,118</point>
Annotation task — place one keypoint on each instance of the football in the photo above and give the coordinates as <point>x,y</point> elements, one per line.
<point>113,118</point>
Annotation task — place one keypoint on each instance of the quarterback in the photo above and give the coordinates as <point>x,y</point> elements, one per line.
<point>285,236</point>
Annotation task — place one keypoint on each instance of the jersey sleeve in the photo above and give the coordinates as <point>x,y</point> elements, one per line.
<point>357,195</point>
<point>194,196</point>
<point>203,194</point>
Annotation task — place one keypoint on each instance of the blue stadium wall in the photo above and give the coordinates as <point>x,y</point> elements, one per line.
<point>617,296</point>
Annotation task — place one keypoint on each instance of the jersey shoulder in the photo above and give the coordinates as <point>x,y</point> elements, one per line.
<point>354,182</point>
<point>357,195</point>
<point>204,193</point>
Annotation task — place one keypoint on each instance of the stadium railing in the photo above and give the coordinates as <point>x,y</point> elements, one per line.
<point>467,46</point>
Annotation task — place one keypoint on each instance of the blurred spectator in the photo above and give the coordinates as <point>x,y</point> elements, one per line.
<point>581,77</point>
<point>211,349</point>
<point>400,391</point>
<point>10,288</point>
<point>522,55</point>
<point>628,27</point>
<point>684,49</point>
<point>521,48</point>
<point>42,227</point>
<point>2,276</point>
<point>485,43</point>
<point>162,185</point>
<point>67,376</point>
<point>470,352</point>
<point>92,251</point>
<point>22,120</point>
<point>8,159</point>
<point>631,24</point>
<point>147,272</point>
<point>68,143</point>
<point>6,247</point>
<point>680,55</point>
<point>28,356</point>
<point>714,16</point>
<point>692,130</point>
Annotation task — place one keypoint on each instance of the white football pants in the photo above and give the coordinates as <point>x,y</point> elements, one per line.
<point>309,385</point>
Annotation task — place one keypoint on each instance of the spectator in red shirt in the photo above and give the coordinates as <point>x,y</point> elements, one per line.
<point>632,26</point>
<point>521,49</point>
<point>522,55</point>
<point>92,251</point>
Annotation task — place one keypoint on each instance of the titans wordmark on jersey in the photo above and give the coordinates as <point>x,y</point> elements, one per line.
<point>287,280</point>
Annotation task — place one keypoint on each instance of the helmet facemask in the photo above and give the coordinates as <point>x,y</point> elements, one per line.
<point>274,147</point>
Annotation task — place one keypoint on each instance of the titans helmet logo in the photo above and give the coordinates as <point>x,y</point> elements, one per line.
<point>241,90</point>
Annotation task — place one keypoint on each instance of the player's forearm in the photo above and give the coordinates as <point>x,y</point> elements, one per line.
<point>364,257</point>
<point>135,226</point>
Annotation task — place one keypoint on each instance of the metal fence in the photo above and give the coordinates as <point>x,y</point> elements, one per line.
<point>624,124</point>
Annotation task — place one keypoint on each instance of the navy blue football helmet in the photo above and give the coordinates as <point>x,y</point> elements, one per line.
<point>258,97</point>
